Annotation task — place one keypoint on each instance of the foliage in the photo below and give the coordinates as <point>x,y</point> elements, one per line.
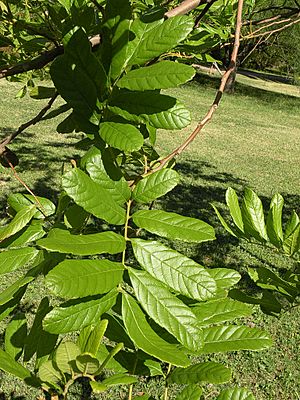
<point>151,302</point>
<point>249,224</point>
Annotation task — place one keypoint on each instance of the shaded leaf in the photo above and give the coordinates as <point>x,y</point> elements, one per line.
<point>17,201</point>
<point>9,365</point>
<point>119,379</point>
<point>15,335</point>
<point>12,260</point>
<point>65,356</point>
<point>87,364</point>
<point>190,392</point>
<point>49,373</point>
<point>20,220</point>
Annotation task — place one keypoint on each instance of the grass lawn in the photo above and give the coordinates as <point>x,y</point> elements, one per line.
<point>253,141</point>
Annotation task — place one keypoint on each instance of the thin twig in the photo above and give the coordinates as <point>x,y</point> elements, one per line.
<point>215,104</point>
<point>184,7</point>
<point>203,12</point>
<point>24,126</point>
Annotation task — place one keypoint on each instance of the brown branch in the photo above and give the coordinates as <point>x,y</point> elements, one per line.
<point>217,99</point>
<point>254,33</point>
<point>24,126</point>
<point>282,28</point>
<point>184,7</point>
<point>203,12</point>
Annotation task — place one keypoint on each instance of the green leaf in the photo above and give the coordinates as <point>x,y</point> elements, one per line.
<point>65,356</point>
<point>162,75</point>
<point>18,201</point>
<point>81,278</point>
<point>20,220</point>
<point>178,272</point>
<point>253,216</point>
<point>49,373</point>
<point>118,188</point>
<point>39,341</point>
<point>236,394</point>
<point>119,379</point>
<point>166,309</point>
<point>190,392</point>
<point>87,364</point>
<point>221,310</point>
<point>174,226</point>
<point>122,136</point>
<point>62,241</point>
<point>8,307</point>
<point>209,371</point>
<point>15,335</point>
<point>145,338</point>
<point>291,242</point>
<point>102,355</point>
<point>233,338</point>
<point>86,193</point>
<point>234,208</point>
<point>274,220</point>
<point>96,335</point>
<point>41,92</point>
<point>98,387</point>
<point>159,110</point>
<point>73,317</point>
<point>160,39</point>
<point>227,227</point>
<point>154,368</point>
<point>225,278</point>
<point>27,235</point>
<point>11,260</point>
<point>9,365</point>
<point>155,185</point>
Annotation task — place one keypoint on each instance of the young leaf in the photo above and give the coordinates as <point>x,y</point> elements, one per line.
<point>253,216</point>
<point>86,193</point>
<point>82,245</point>
<point>234,208</point>
<point>161,111</point>
<point>233,338</point>
<point>291,242</point>
<point>154,368</point>
<point>94,340</point>
<point>190,392</point>
<point>228,228</point>
<point>161,38</point>
<point>12,260</point>
<point>236,394</point>
<point>145,338</point>
<point>20,220</point>
<point>73,317</point>
<point>274,220</point>
<point>175,270</point>
<point>122,136</point>
<point>65,356</point>
<point>87,364</point>
<point>162,75</point>
<point>49,373</point>
<point>155,185</point>
<point>119,379</point>
<point>208,371</point>
<point>15,335</point>
<point>166,309</point>
<point>81,278</point>
<point>98,387</point>
<point>174,226</point>
<point>221,310</point>
<point>104,354</point>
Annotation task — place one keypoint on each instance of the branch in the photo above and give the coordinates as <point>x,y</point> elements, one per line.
<point>218,96</point>
<point>184,7</point>
<point>252,36</point>
<point>24,126</point>
<point>203,12</point>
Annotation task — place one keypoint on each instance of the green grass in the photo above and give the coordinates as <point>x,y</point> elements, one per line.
<point>253,141</point>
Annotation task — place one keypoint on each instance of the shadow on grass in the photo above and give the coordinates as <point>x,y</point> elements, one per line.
<point>11,397</point>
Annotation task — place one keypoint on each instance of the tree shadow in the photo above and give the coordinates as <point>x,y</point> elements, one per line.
<point>11,396</point>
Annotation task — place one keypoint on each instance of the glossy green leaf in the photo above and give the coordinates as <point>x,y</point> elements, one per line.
<point>227,227</point>
<point>233,338</point>
<point>145,338</point>
<point>161,111</point>
<point>274,220</point>
<point>45,207</point>
<point>39,341</point>
<point>236,394</point>
<point>87,364</point>
<point>160,39</point>
<point>62,241</point>
<point>155,185</point>
<point>86,193</point>
<point>109,359</point>
<point>12,260</point>
<point>96,335</point>
<point>190,392</point>
<point>9,365</point>
<point>225,278</point>
<point>73,317</point>
<point>65,356</point>
<point>174,226</point>
<point>178,272</point>
<point>26,235</point>
<point>166,309</point>
<point>20,220</point>
<point>154,368</point>
<point>162,75</point>
<point>253,216</point>
<point>112,364</point>
<point>49,373</point>
<point>15,334</point>
<point>209,371</point>
<point>234,208</point>
<point>125,137</point>
<point>221,310</point>
<point>81,278</point>
<point>291,242</point>
<point>119,379</point>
